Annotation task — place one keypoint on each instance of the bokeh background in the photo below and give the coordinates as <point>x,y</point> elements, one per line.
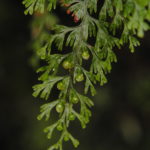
<point>121,116</point>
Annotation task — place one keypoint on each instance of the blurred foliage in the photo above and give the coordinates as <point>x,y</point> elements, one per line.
<point>121,115</point>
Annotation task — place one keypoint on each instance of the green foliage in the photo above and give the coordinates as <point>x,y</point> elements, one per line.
<point>38,5</point>
<point>118,22</point>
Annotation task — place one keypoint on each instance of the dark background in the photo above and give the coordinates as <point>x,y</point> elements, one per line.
<point>121,116</point>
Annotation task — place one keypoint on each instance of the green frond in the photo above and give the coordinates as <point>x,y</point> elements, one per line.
<point>99,30</point>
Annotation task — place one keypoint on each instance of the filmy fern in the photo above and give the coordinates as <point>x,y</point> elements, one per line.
<point>111,23</point>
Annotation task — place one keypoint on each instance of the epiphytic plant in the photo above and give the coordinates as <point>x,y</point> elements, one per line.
<point>108,24</point>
